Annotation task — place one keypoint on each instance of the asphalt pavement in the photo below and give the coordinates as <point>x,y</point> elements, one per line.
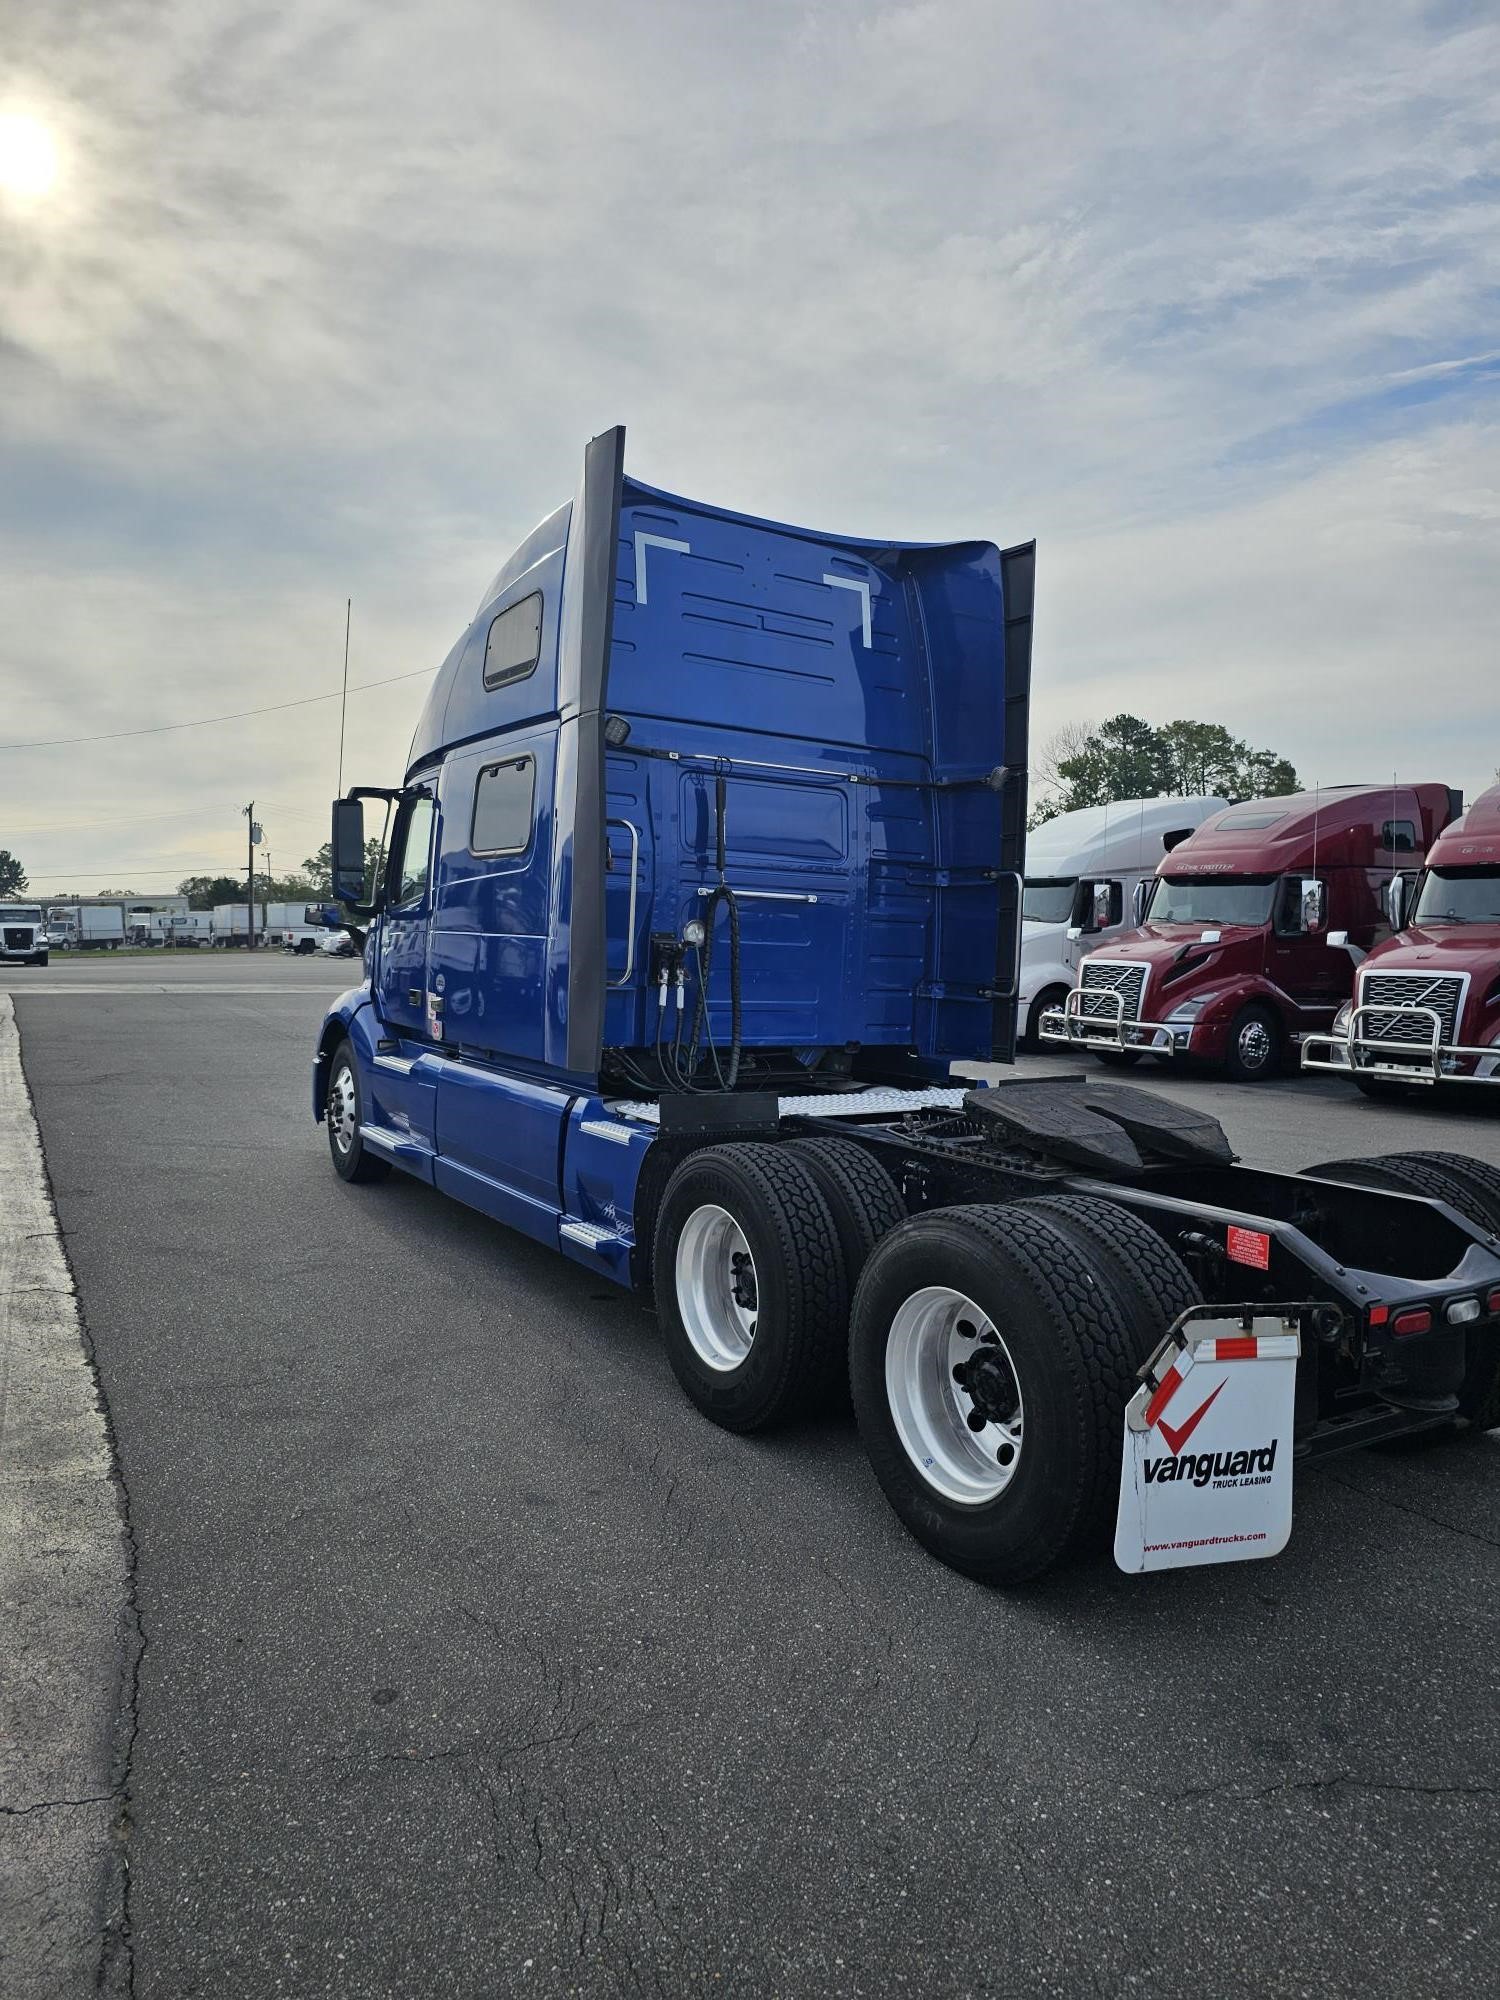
<point>474,1662</point>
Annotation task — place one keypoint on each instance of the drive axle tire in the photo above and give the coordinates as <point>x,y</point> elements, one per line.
<point>1150,1281</point>
<point>750,1285</point>
<point>1047,1354</point>
<point>344,1114</point>
<point>860,1194</point>
<point>1253,1052</point>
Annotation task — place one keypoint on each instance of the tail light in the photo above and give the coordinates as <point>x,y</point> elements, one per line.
<point>1493,1301</point>
<point>1416,1319</point>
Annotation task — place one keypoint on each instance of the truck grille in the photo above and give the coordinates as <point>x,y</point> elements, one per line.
<point>1409,989</point>
<point>1129,981</point>
<point>17,940</point>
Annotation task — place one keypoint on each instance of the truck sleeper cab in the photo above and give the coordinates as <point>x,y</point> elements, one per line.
<point>1083,872</point>
<point>1426,1005</point>
<point>705,867</point>
<point>1234,961</point>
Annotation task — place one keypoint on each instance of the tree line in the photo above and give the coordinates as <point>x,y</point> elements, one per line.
<point>1123,757</point>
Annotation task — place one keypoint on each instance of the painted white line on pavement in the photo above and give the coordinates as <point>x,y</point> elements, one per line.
<point>63,1592</point>
<point>102,992</point>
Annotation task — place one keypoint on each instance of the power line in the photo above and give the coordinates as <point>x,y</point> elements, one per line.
<point>205,721</point>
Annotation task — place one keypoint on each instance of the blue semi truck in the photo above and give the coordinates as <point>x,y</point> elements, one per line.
<point>705,868</point>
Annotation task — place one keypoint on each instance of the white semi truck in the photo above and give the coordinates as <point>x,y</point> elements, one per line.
<point>23,934</point>
<point>1082,874</point>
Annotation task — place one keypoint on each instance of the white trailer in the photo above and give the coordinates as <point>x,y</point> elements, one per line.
<point>1082,872</point>
<point>231,924</point>
<point>101,926</point>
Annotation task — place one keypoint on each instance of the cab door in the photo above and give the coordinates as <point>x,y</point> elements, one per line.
<point>401,985</point>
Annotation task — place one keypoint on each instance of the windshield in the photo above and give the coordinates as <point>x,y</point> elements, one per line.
<point>1459,896</point>
<point>1048,899</point>
<point>20,913</point>
<point>1226,901</point>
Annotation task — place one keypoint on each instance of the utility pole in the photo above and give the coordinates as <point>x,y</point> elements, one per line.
<point>253,833</point>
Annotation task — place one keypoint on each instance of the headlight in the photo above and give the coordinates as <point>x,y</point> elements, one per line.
<point>1341,1018</point>
<point>1187,1012</point>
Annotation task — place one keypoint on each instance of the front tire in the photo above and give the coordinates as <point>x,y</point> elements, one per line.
<point>1046,1002</point>
<point>1047,1358</point>
<point>1119,1058</point>
<point>344,1115</point>
<point>750,1285</point>
<point>1255,1046</point>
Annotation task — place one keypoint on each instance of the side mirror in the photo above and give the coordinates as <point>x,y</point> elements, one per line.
<point>1314,906</point>
<point>1339,940</point>
<point>1395,901</point>
<point>1140,896</point>
<point>349,852</point>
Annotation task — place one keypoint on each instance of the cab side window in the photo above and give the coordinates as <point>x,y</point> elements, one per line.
<point>413,870</point>
<point>1288,917</point>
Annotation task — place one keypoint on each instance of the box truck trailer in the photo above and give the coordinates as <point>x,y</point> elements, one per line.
<point>1083,871</point>
<point>705,866</point>
<point>1231,966</point>
<point>1426,1003</point>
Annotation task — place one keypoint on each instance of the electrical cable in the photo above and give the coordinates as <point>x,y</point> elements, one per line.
<point>205,721</point>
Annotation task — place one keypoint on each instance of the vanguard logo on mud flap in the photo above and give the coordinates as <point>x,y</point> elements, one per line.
<point>1224,1468</point>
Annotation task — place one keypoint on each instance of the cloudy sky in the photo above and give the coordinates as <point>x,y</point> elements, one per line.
<point>325,299</point>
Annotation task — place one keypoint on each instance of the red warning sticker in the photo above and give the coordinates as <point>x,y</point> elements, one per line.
<point>1249,1246</point>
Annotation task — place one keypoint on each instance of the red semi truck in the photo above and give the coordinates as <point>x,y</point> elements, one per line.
<point>1426,1005</point>
<point>1235,958</point>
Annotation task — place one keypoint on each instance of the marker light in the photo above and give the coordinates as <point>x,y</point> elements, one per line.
<point>1461,1311</point>
<point>1493,1301</point>
<point>1417,1320</point>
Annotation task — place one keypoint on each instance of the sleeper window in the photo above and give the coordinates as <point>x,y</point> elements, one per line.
<point>502,807</point>
<point>514,644</point>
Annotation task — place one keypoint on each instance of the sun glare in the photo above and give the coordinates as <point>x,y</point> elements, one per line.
<point>28,156</point>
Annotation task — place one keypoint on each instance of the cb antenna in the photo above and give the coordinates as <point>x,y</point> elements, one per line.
<point>344,698</point>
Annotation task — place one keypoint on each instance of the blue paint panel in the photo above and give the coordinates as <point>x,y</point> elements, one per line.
<point>499,1140</point>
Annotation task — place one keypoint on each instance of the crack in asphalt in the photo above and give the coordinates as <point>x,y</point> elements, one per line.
<point>1405,1507</point>
<point>55,1805</point>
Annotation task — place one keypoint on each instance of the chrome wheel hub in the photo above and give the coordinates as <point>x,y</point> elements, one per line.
<point>343,1108</point>
<point>718,1293</point>
<point>1255,1045</point>
<point>954,1396</point>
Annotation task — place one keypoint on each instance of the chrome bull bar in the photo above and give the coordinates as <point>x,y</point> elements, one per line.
<point>1071,1026</point>
<point>1353,1053</point>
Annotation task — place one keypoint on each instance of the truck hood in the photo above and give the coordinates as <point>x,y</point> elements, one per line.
<point>1182,964</point>
<point>1443,948</point>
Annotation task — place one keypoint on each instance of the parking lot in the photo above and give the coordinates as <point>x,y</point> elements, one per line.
<point>472,1661</point>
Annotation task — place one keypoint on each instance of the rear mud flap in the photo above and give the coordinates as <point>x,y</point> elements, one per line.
<point>1207,1471</point>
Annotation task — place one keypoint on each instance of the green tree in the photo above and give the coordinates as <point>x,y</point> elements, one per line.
<point>1126,758</point>
<point>13,880</point>
<point>1203,758</point>
<point>318,868</point>
<point>204,891</point>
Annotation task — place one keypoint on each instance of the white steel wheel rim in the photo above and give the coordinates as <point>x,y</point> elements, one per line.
<point>717,1288</point>
<point>1255,1044</point>
<point>930,1409</point>
<point>343,1108</point>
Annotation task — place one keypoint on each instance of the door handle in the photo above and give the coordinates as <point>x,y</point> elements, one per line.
<point>414,996</point>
